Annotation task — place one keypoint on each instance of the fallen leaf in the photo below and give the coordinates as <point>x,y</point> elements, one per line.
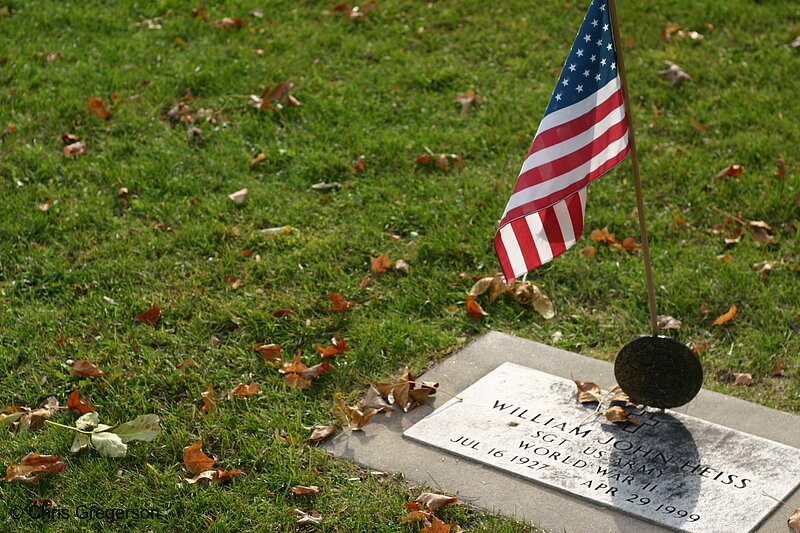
<point>380,264</point>
<point>74,402</point>
<point>352,416</point>
<point>731,170</point>
<point>794,520</point>
<point>673,74</point>
<point>149,317</point>
<point>588,392</point>
<point>275,231</point>
<point>467,100</point>
<point>725,257</point>
<point>228,23</point>
<point>742,379</point>
<point>441,160</point>
<point>325,186</point>
<point>83,368</point>
<point>143,427</point>
<point>761,232</point>
<point>195,460</point>
<point>339,304</point>
<point>32,466</point>
<point>270,352</point>
<point>629,244</point>
<point>260,157</point>
<point>589,251</point>
<point>239,197</point>
<point>216,476</point>
<point>617,414</point>
<point>668,29</point>
<point>777,368</point>
<point>474,310</point>
<point>337,347</point>
<point>434,501</point>
<point>397,392</point>
<point>276,98</point>
<point>209,399</point>
<point>24,418</point>
<point>781,172</point>
<point>364,283</point>
<point>235,283</point>
<point>303,490</point>
<point>45,206</point>
<point>198,13</point>
<point>98,108</point>
<point>668,322</point>
<point>696,125</point>
<point>321,433</point>
<point>75,149</point>
<point>306,519</point>
<point>603,235</point>
<point>374,400</point>
<point>109,444</point>
<point>358,164</point>
<point>725,317</point>
<point>764,268</point>
<point>245,390</point>
<point>402,266</point>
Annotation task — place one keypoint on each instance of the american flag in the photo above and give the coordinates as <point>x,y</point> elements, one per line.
<point>583,135</point>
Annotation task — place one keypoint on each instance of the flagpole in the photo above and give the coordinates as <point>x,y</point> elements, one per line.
<point>651,294</point>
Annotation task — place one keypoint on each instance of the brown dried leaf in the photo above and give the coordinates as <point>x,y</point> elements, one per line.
<point>777,368</point>
<point>83,368</point>
<point>481,286</point>
<point>75,149</point>
<point>316,370</point>
<point>696,125</point>
<point>742,379</point>
<point>245,390</point>
<point>352,416</point>
<point>306,519</point>
<point>725,317</point>
<point>337,347</point>
<point>74,402</point>
<point>794,520</point>
<point>673,74</point>
<point>380,264</point>
<point>31,467</point>
<point>228,23</point>
<point>339,304</point>
<point>325,186</point>
<point>764,268</point>
<point>668,322</point>
<point>209,399</point>
<point>195,460</point>
<point>186,363</point>
<point>303,490</point>
<point>216,476</point>
<point>617,414</point>
<point>731,170</point>
<point>260,157</point>
<point>418,397</point>
<point>270,352</point>
<point>669,29</point>
<point>589,251</point>
<point>374,400</point>
<point>474,310</point>
<point>280,313</point>
<point>588,392</point>
<point>603,235</point>
<point>358,164</point>
<point>402,265</point>
<point>98,108</point>
<point>434,501</point>
<point>321,433</point>
<point>467,100</point>
<point>149,317</point>
<point>781,172</point>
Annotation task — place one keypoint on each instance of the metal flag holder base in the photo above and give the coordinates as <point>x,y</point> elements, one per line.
<point>653,370</point>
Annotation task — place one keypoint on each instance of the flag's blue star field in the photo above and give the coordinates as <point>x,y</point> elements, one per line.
<point>591,63</point>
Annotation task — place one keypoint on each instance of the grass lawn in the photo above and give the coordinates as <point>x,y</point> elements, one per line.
<point>79,259</point>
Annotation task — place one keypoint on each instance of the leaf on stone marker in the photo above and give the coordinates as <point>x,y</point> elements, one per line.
<point>306,519</point>
<point>239,197</point>
<point>303,490</point>
<point>374,400</point>
<point>725,317</point>
<point>339,304</point>
<point>617,414</point>
<point>337,347</point>
<point>781,172</point>
<point>196,460</point>
<point>380,264</point>
<point>673,74</point>
<point>434,501</point>
<point>31,467</point>
<point>109,444</point>
<point>245,390</point>
<point>474,310</point>
<point>75,149</point>
<point>668,322</point>
<point>84,368</point>
<point>742,379</point>
<point>143,427</point>
<point>588,392</point>
<point>149,317</point>
<point>229,23</point>
<point>794,520</point>
<point>467,100</point>
<point>209,399</point>
<point>270,352</point>
<point>321,433</point>
<point>619,395</point>
<point>729,171</point>
<point>98,108</point>
<point>74,402</point>
<point>80,442</point>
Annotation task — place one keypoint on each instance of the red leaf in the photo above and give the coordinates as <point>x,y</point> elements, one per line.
<point>150,316</point>
<point>74,402</point>
<point>98,108</point>
<point>339,304</point>
<point>279,313</point>
<point>474,310</point>
<point>195,460</point>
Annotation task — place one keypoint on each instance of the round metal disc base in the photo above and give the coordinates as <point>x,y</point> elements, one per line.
<point>658,371</point>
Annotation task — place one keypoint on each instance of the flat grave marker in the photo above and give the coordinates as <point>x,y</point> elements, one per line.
<point>676,470</point>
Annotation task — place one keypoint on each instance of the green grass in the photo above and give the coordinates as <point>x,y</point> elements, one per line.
<point>383,87</point>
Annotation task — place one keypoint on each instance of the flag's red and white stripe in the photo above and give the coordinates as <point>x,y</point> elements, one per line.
<point>572,147</point>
